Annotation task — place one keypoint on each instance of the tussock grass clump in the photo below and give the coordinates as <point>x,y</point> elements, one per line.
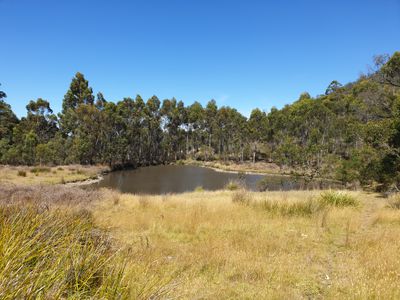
<point>304,208</point>
<point>263,184</point>
<point>233,185</point>
<point>115,200</point>
<point>394,201</point>
<point>52,252</point>
<point>199,189</point>
<point>338,199</point>
<point>144,201</point>
<point>241,197</point>
<point>40,170</point>
<point>281,206</point>
<point>21,173</point>
<point>80,172</point>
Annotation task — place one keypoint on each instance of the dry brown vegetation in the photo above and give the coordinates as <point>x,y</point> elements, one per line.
<point>25,175</point>
<point>74,243</point>
<point>246,166</point>
<point>219,245</point>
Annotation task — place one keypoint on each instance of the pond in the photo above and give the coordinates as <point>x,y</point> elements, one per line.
<point>178,179</point>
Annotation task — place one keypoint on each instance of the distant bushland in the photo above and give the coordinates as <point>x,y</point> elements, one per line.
<point>350,133</point>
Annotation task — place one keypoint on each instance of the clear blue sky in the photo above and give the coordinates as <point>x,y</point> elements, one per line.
<point>243,53</point>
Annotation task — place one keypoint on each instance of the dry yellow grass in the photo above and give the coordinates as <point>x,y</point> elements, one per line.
<point>25,175</point>
<point>230,166</point>
<point>216,245</point>
<point>204,246</point>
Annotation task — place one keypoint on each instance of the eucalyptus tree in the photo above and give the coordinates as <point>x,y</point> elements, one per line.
<point>239,134</point>
<point>195,128</point>
<point>79,93</point>
<point>174,116</point>
<point>112,129</point>
<point>391,70</point>
<point>79,121</point>
<point>154,133</point>
<point>258,125</point>
<point>7,119</point>
<point>210,115</point>
<point>41,120</point>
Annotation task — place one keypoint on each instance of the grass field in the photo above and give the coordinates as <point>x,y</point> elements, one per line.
<point>48,175</point>
<point>65,242</point>
<point>229,245</point>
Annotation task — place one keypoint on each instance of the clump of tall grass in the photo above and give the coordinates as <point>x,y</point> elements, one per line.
<point>116,199</point>
<point>40,170</point>
<point>233,185</point>
<point>394,201</point>
<point>303,208</point>
<point>338,199</point>
<point>199,189</point>
<point>241,197</point>
<point>144,201</point>
<point>52,253</point>
<point>21,173</point>
<point>80,172</point>
<point>263,184</point>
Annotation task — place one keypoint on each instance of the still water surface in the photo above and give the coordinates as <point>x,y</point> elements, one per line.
<point>179,179</point>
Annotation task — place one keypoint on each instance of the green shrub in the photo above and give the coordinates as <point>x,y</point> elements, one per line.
<point>21,173</point>
<point>338,199</point>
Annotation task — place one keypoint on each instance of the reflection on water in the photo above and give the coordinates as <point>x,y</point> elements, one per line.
<point>178,179</point>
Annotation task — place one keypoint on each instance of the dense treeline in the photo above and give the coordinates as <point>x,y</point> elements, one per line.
<point>351,132</point>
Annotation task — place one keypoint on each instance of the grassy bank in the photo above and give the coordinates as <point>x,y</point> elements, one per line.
<point>218,245</point>
<point>58,241</point>
<point>230,166</point>
<point>48,175</point>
